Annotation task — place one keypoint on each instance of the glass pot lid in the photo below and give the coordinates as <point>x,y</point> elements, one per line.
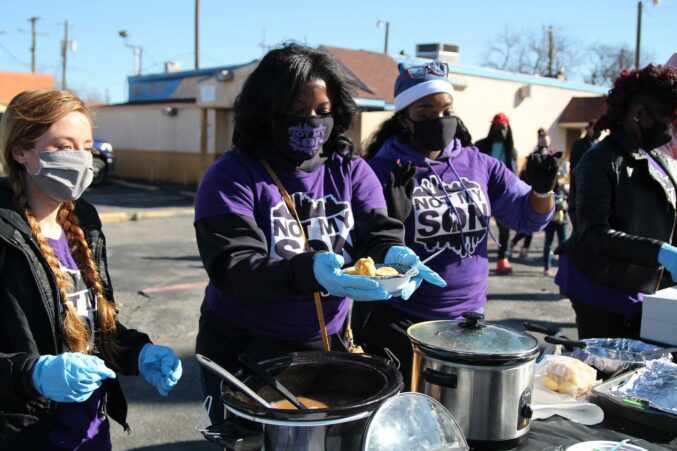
<point>470,337</point>
<point>413,421</point>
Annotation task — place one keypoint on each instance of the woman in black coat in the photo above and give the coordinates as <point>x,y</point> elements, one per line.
<point>622,207</point>
<point>60,342</point>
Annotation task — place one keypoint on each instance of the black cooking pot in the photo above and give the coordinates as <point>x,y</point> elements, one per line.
<point>353,385</point>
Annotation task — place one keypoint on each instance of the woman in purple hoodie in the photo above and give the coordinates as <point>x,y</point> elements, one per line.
<point>444,193</point>
<point>290,123</point>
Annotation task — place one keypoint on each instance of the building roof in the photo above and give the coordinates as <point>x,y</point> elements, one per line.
<point>488,72</point>
<point>374,72</point>
<point>580,110</point>
<point>166,87</point>
<point>12,83</point>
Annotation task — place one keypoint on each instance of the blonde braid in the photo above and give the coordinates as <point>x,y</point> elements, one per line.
<point>83,256</point>
<point>76,334</point>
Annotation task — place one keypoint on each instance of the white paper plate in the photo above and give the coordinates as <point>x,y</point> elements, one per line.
<point>603,445</point>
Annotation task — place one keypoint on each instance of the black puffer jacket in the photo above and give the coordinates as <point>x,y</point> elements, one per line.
<point>30,327</point>
<point>621,215</point>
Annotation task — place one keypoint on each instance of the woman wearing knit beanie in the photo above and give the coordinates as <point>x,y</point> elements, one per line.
<point>444,192</point>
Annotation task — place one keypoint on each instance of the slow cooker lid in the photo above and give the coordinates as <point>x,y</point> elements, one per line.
<point>413,421</point>
<point>472,337</point>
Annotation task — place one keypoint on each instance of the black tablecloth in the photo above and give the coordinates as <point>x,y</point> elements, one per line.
<point>557,433</point>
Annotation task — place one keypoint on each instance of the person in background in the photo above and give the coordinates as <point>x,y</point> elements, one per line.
<point>445,204</point>
<point>622,208</point>
<point>670,149</point>
<point>61,343</point>
<point>582,145</point>
<point>499,145</point>
<point>542,145</point>
<point>559,223</point>
<point>290,123</point>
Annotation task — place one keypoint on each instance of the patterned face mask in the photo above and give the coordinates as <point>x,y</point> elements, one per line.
<point>302,137</point>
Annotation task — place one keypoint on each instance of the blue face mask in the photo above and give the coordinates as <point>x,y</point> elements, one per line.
<point>63,175</point>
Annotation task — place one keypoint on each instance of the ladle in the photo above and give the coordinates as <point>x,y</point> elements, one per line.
<point>255,368</point>
<point>223,373</point>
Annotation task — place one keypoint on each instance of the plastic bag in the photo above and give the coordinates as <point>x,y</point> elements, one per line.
<point>565,375</point>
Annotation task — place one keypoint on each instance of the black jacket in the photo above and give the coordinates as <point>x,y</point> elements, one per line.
<point>621,215</point>
<point>578,149</point>
<point>30,326</point>
<point>485,145</point>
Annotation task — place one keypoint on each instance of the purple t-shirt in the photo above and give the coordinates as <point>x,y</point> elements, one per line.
<point>79,425</point>
<point>326,199</point>
<point>486,188</point>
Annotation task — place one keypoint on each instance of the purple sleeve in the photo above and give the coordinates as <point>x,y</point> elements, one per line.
<point>224,190</point>
<point>509,197</point>
<point>367,190</point>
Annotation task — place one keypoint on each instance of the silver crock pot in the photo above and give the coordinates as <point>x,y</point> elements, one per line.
<point>359,384</point>
<point>483,374</point>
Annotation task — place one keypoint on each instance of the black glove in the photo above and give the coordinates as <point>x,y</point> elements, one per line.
<point>399,190</point>
<point>542,170</point>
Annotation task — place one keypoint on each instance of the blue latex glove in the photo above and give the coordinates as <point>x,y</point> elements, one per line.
<point>160,367</point>
<point>327,268</point>
<point>69,377</point>
<point>667,256</point>
<point>404,256</point>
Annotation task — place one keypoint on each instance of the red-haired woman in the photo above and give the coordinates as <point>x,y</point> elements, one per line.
<point>622,207</point>
<point>60,342</point>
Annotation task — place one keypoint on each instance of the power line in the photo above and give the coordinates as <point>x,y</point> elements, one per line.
<point>13,56</point>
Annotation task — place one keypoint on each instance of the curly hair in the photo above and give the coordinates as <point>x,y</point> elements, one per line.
<point>656,83</point>
<point>272,87</point>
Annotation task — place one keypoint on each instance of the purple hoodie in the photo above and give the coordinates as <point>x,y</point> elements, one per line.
<point>462,229</point>
<point>327,199</point>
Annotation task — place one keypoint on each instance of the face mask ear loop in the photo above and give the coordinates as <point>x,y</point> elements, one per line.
<point>39,164</point>
<point>472,199</point>
<point>466,253</point>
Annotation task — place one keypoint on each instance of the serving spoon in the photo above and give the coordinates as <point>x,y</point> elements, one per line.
<point>225,374</point>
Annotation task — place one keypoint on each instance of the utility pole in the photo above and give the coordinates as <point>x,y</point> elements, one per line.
<point>64,55</point>
<point>263,45</point>
<point>33,33</point>
<point>551,50</point>
<point>379,24</point>
<point>197,34</point>
<point>32,21</point>
<point>639,33</point>
<point>638,42</point>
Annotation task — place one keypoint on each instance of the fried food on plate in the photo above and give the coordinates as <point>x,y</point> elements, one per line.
<point>366,267</point>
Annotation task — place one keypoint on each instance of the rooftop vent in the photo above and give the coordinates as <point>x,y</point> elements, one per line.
<point>447,53</point>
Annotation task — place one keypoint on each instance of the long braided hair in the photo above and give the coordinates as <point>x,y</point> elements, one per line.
<point>29,115</point>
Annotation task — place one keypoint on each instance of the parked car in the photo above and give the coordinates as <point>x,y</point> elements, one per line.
<point>104,160</point>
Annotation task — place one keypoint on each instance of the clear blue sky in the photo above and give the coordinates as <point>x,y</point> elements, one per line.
<point>231,31</point>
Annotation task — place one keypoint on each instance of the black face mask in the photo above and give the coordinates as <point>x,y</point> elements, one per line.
<point>301,137</point>
<point>434,134</point>
<point>656,135</point>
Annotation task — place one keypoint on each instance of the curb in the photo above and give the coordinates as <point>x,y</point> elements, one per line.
<point>113,217</point>
<point>123,216</point>
<point>133,185</point>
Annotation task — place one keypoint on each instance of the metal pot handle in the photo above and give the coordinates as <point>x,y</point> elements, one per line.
<point>439,378</point>
<point>568,344</point>
<point>227,433</point>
